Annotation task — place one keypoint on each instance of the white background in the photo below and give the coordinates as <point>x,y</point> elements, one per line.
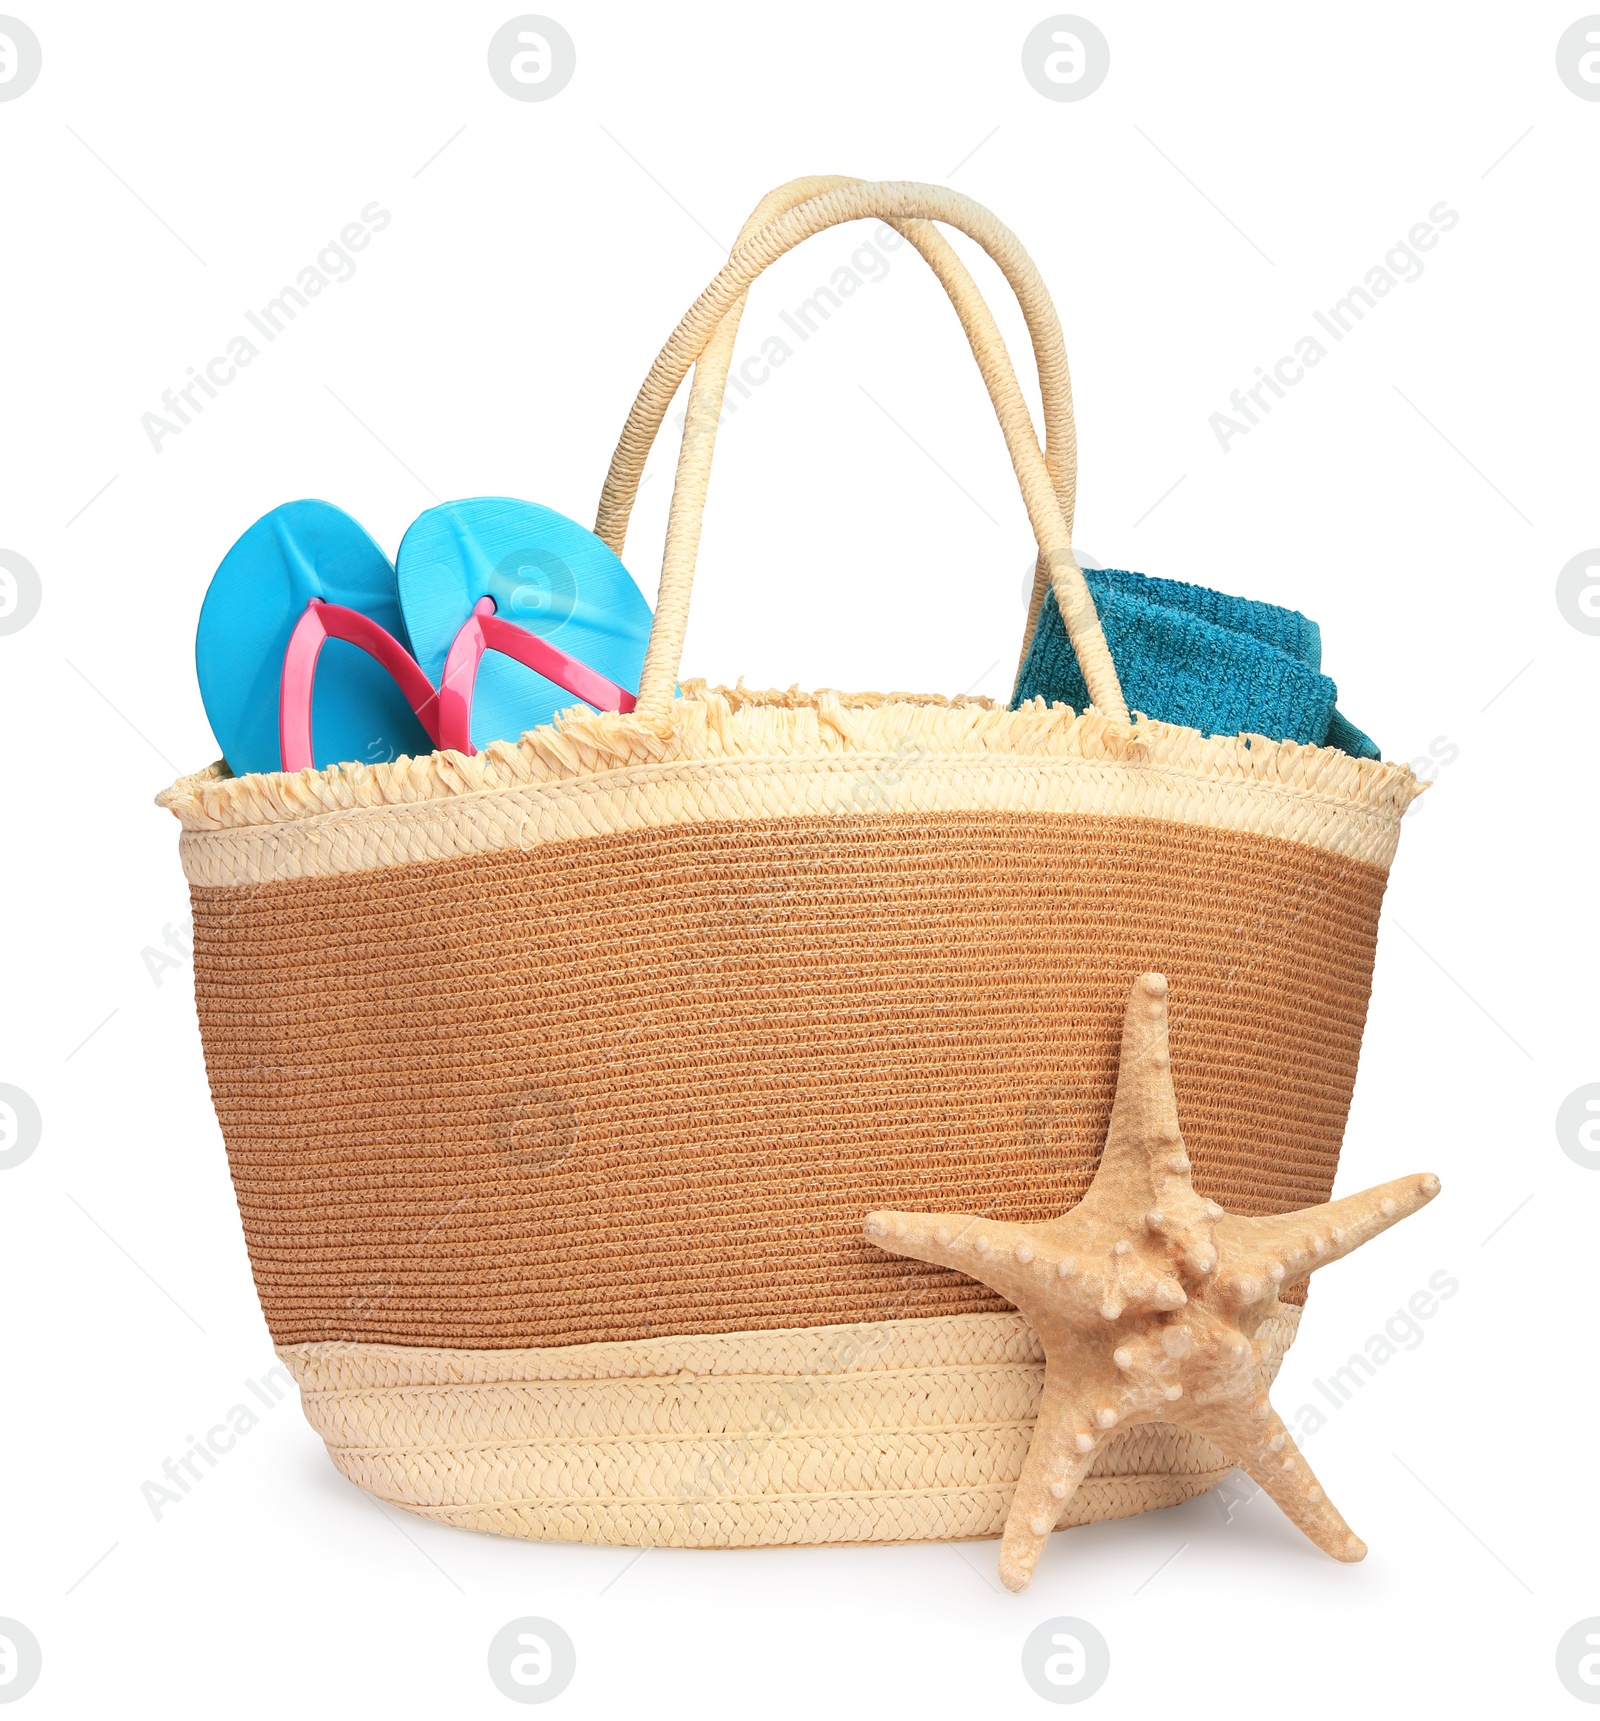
<point>1417,494</point>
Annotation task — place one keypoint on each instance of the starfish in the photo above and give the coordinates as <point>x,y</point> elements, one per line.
<point>1147,1300</point>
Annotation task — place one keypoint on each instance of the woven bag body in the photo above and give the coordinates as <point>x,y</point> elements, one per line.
<point>556,1081</point>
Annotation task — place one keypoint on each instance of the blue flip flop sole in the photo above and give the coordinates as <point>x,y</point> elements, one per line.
<point>301,551</point>
<point>547,574</point>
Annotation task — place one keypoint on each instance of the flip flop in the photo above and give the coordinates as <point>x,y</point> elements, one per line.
<point>545,575</point>
<point>258,599</point>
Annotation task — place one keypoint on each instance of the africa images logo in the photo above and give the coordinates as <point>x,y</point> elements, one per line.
<point>20,59</point>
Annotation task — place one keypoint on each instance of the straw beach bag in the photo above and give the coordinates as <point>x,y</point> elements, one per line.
<point>556,1081</point>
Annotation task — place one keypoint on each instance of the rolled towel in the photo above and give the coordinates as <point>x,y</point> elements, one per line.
<point>1200,658</point>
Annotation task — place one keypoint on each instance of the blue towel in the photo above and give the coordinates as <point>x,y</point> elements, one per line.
<point>1200,658</point>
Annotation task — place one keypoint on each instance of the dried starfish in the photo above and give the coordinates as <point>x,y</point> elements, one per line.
<point>1147,1299</point>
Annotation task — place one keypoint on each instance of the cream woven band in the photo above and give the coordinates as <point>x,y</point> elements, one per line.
<point>741,756</point>
<point>905,1430</point>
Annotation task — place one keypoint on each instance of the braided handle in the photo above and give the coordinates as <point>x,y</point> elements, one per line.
<point>711,368</point>
<point>706,335</point>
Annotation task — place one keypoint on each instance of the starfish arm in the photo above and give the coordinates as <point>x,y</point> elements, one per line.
<point>1060,1454</point>
<point>981,1248</point>
<point>936,1237</point>
<point>1314,1236</point>
<point>1021,1262</point>
<point>1264,1449</point>
<point>1144,1113</point>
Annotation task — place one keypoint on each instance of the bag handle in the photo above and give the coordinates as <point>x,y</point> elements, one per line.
<point>711,368</point>
<point>889,201</point>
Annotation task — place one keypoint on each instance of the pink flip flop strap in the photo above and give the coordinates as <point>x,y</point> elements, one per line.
<point>324,621</point>
<point>485,631</point>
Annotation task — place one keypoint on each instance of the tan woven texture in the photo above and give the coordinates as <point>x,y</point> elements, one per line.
<point>650,1083</point>
<point>907,1430</point>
